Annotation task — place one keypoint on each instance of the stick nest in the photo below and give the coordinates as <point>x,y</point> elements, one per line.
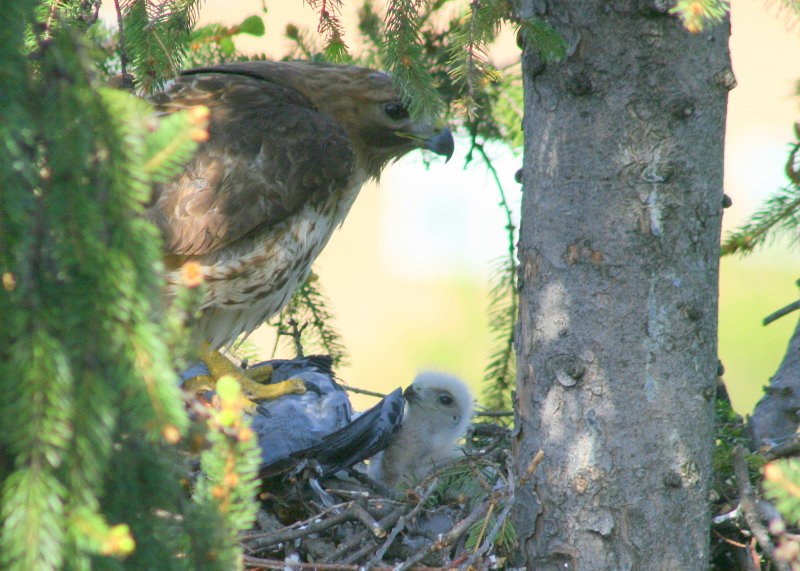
<point>457,517</point>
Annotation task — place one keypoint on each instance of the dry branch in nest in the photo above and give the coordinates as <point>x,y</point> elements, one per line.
<point>456,517</point>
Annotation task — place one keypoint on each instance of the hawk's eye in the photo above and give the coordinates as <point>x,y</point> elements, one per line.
<point>396,111</point>
<point>446,400</point>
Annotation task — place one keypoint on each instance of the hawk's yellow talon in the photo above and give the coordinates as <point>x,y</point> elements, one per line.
<point>261,374</point>
<point>253,381</point>
<point>272,391</point>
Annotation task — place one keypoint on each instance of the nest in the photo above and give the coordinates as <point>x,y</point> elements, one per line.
<point>456,517</point>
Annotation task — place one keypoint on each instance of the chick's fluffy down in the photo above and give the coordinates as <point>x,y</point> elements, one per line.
<point>438,412</point>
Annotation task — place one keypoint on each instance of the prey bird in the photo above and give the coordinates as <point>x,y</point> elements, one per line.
<point>318,426</point>
<point>290,146</point>
<point>438,413</point>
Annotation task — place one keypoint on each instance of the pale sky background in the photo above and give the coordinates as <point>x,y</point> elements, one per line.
<point>407,273</point>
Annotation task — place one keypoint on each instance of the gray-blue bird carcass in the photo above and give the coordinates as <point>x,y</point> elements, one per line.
<point>317,431</point>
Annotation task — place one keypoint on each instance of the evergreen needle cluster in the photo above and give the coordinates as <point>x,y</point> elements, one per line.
<point>94,447</point>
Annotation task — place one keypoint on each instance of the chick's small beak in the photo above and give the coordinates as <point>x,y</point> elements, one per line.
<point>410,394</point>
<point>441,143</point>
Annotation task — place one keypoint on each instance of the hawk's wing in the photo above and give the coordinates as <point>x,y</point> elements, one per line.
<point>269,152</point>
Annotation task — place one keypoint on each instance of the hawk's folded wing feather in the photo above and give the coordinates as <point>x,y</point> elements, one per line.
<point>269,153</point>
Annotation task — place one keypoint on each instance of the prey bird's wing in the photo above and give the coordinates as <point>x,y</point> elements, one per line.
<point>269,153</point>
<point>367,435</point>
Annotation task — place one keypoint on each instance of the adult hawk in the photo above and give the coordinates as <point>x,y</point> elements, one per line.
<point>290,146</point>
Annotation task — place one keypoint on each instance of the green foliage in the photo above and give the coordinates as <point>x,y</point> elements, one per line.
<point>792,6</point>
<point>402,52</point>
<point>730,433</point>
<point>156,35</point>
<point>330,27</point>
<point>91,413</point>
<point>309,321</point>
<point>540,36</point>
<point>214,43</point>
<point>697,14</point>
<point>229,478</point>
<point>469,60</point>
<point>506,537</point>
<point>779,215</point>
<point>782,486</point>
<point>501,373</point>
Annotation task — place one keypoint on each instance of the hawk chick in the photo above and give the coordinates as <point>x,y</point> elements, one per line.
<point>438,412</point>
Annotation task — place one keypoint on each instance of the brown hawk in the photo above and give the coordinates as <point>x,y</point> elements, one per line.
<point>290,146</point>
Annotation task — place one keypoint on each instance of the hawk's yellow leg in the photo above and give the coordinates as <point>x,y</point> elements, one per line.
<point>253,389</point>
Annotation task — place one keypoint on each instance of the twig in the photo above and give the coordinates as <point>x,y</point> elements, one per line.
<point>790,447</point>
<point>530,470</point>
<point>385,522</point>
<point>510,494</point>
<point>365,480</point>
<point>305,522</point>
<point>447,539</point>
<point>127,78</point>
<point>748,503</point>
<point>495,413</point>
<point>363,392</point>
<point>361,515</point>
<point>401,524</point>
<point>357,555</point>
<point>731,515</point>
<point>795,305</point>
<point>729,541</point>
<point>263,541</point>
<point>296,334</point>
<point>255,562</point>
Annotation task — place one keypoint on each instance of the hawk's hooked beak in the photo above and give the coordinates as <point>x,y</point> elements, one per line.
<point>442,144</point>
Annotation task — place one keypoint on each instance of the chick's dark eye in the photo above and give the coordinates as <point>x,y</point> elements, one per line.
<point>446,400</point>
<point>396,111</point>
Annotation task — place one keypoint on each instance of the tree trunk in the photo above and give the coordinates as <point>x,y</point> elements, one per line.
<point>618,257</point>
<point>777,413</point>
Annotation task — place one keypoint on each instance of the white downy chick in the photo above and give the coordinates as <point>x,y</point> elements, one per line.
<point>438,412</point>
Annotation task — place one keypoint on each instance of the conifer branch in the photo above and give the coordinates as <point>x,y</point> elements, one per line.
<point>230,465</point>
<point>780,214</point>
<point>539,35</point>
<point>500,373</point>
<point>309,307</point>
<point>330,27</point>
<point>157,34</point>
<point>402,52</point>
<point>469,62</point>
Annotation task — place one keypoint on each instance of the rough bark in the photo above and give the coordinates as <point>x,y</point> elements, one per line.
<point>619,264</point>
<point>777,414</point>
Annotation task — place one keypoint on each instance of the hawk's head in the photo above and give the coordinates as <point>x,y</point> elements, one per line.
<point>365,102</point>
<point>368,104</point>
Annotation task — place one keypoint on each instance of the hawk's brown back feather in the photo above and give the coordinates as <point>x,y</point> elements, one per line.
<point>269,152</point>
